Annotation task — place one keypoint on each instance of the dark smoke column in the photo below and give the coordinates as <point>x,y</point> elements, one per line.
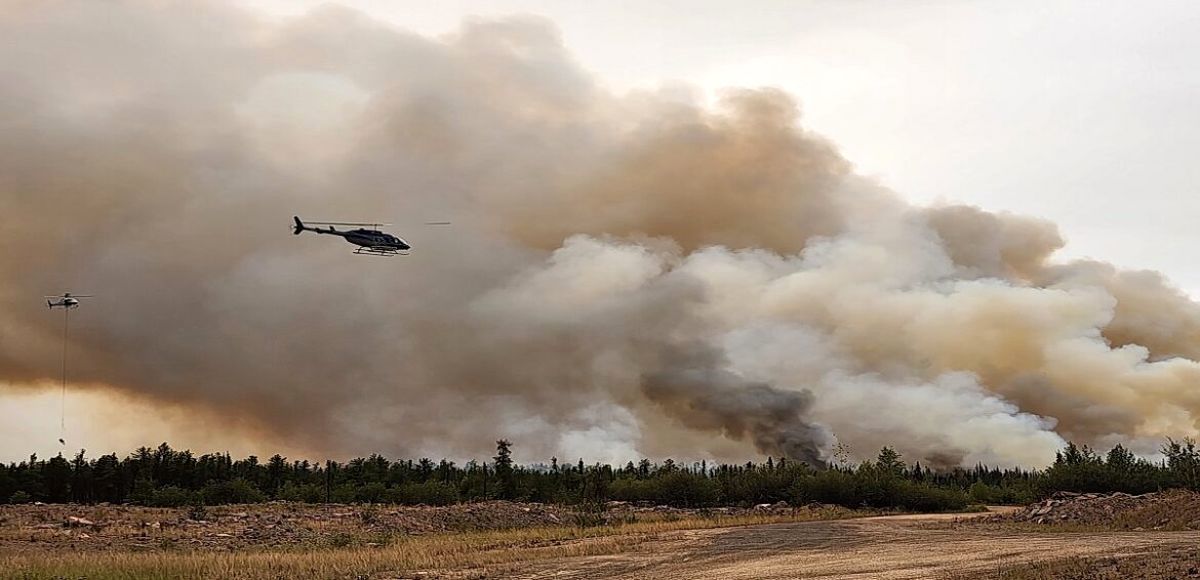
<point>711,398</point>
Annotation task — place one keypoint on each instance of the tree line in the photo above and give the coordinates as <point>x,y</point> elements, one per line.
<point>167,477</point>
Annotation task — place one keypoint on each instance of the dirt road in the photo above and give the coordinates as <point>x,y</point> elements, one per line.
<point>869,548</point>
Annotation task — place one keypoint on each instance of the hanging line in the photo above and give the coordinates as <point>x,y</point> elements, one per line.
<point>62,422</point>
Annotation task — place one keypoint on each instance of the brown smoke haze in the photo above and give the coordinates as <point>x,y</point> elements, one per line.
<point>626,274</point>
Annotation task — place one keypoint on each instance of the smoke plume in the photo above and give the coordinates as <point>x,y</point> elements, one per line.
<point>626,274</point>
<point>705,396</point>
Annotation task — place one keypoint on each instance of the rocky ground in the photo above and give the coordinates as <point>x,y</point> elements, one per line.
<point>1170,510</point>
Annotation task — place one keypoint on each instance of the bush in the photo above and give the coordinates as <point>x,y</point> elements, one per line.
<point>344,493</point>
<point>427,493</point>
<point>875,488</point>
<point>170,496</point>
<point>142,492</point>
<point>761,486</point>
<point>981,492</point>
<point>371,493</point>
<point>922,497</point>
<point>197,513</point>
<point>305,492</point>
<point>590,514</point>
<point>674,488</point>
<point>19,497</point>
<point>588,520</point>
<point>833,487</point>
<point>235,491</point>
<point>626,489</point>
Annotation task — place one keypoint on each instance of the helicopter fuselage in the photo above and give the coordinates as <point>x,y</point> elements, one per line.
<point>374,239</point>
<point>65,302</point>
<point>367,238</point>
<point>369,241</point>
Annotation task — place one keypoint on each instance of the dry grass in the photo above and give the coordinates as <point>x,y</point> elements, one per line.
<point>400,555</point>
<point>1132,522</point>
<point>1016,528</point>
<point>1158,564</point>
<point>41,528</point>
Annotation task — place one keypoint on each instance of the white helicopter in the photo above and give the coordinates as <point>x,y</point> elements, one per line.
<point>66,300</point>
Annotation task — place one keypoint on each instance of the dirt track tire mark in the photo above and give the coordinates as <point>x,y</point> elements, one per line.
<point>897,547</point>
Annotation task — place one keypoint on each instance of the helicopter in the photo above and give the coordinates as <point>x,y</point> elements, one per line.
<point>370,242</point>
<point>66,300</point>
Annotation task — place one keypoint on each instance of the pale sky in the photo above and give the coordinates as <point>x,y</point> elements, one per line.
<point>1084,113</point>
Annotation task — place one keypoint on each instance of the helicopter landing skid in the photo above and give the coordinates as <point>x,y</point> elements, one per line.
<point>386,253</point>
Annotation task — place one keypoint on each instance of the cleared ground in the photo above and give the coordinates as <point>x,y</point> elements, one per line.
<point>918,546</point>
<point>275,541</point>
<point>465,542</point>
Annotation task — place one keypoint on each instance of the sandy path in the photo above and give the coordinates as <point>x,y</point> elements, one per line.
<point>885,547</point>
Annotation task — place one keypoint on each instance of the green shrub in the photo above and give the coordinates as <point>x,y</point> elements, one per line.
<point>235,491</point>
<point>981,492</point>
<point>305,492</point>
<point>344,493</point>
<point>876,488</point>
<point>170,496</point>
<point>427,493</point>
<point>673,488</point>
<point>833,487</point>
<point>371,493</point>
<point>922,497</point>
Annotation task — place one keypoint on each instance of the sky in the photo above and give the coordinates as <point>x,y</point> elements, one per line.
<point>1081,113</point>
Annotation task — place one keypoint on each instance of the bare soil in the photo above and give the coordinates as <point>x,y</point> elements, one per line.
<point>889,547</point>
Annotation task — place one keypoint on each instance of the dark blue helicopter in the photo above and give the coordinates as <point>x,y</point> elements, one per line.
<point>369,241</point>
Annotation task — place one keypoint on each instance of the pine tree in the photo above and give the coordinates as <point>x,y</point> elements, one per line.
<point>504,470</point>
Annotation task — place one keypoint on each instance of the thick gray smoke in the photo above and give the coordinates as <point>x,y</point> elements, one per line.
<point>153,153</point>
<point>698,391</point>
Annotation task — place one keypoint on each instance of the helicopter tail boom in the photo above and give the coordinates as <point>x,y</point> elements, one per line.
<point>318,227</point>
<point>300,226</point>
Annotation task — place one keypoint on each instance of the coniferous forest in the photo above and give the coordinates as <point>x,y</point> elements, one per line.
<point>166,477</point>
